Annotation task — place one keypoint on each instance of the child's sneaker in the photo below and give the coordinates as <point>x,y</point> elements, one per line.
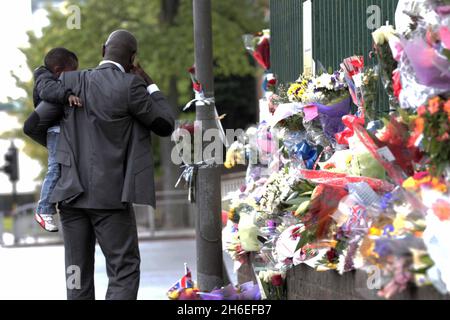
<point>46,221</point>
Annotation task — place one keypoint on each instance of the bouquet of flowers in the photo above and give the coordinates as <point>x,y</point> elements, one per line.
<point>433,128</point>
<point>326,89</point>
<point>236,155</point>
<point>325,97</point>
<point>277,189</point>
<point>273,285</point>
<point>384,39</point>
<point>423,54</point>
<point>353,70</point>
<point>369,91</point>
<point>259,46</point>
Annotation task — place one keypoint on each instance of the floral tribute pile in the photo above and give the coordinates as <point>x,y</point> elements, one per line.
<point>185,289</point>
<point>337,185</point>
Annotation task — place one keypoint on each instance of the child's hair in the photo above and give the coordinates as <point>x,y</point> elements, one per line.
<point>60,57</point>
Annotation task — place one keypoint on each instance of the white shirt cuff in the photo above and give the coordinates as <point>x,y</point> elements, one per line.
<point>152,88</point>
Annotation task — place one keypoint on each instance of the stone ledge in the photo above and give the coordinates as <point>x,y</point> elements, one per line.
<point>304,283</point>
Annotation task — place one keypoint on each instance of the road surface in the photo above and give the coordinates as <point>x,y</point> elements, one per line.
<point>38,272</point>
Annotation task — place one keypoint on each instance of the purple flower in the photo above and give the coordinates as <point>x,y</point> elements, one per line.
<point>386,200</point>
<point>382,248</point>
<point>443,10</point>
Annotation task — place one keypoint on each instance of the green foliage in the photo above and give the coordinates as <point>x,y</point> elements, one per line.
<point>166,49</point>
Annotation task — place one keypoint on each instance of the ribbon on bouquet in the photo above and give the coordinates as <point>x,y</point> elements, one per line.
<point>189,175</point>
<point>350,123</point>
<point>200,99</point>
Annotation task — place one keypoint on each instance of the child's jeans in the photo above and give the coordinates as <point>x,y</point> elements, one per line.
<point>52,176</point>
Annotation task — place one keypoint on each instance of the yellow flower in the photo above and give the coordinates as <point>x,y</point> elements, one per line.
<point>383,34</point>
<point>410,184</point>
<point>375,231</point>
<point>174,295</point>
<point>348,160</point>
<point>399,223</point>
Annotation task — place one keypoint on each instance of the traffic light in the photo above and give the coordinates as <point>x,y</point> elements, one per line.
<point>11,167</point>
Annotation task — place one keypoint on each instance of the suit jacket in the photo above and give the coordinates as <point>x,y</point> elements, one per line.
<point>105,146</point>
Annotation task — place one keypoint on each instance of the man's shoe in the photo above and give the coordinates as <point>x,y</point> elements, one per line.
<point>46,221</point>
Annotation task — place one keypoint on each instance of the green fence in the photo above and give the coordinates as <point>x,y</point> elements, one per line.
<point>339,29</point>
<point>286,25</point>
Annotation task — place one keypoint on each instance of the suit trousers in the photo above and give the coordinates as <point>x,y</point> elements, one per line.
<point>116,233</point>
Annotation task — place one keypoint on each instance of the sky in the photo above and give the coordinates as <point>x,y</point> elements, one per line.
<point>15,19</point>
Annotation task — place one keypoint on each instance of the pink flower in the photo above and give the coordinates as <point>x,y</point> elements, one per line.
<point>421,175</point>
<point>422,110</point>
<point>444,137</point>
<point>444,33</point>
<point>443,10</point>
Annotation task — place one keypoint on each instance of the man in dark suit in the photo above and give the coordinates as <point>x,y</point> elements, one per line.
<point>106,165</point>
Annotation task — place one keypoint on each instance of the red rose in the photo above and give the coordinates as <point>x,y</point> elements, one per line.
<point>188,127</point>
<point>332,255</point>
<point>397,83</point>
<point>277,280</point>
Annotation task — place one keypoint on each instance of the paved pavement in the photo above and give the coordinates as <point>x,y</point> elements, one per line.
<point>38,272</point>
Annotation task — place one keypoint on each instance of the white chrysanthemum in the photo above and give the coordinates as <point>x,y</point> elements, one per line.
<point>341,264</point>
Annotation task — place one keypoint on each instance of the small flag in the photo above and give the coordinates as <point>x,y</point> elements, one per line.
<point>184,283</point>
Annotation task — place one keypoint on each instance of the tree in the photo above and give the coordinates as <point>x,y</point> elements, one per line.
<point>164,29</point>
<point>166,49</point>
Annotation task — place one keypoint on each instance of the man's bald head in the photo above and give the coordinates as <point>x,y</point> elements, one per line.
<point>121,47</point>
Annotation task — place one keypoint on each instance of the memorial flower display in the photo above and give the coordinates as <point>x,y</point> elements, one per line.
<point>350,191</point>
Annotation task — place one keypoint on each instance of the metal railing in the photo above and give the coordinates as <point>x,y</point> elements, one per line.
<point>26,230</point>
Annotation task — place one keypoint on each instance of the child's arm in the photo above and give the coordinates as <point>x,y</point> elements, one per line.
<point>52,90</point>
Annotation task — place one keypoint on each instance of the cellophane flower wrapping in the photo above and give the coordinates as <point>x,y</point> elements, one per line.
<point>369,91</point>
<point>424,67</point>
<point>363,163</point>
<point>273,284</point>
<point>382,38</point>
<point>331,117</point>
<point>259,46</point>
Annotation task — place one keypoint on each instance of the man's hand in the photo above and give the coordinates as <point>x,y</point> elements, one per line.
<point>74,101</point>
<point>137,70</point>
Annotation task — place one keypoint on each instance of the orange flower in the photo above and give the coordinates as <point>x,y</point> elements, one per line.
<point>447,107</point>
<point>434,104</point>
<point>437,185</point>
<point>419,126</point>
<point>442,210</point>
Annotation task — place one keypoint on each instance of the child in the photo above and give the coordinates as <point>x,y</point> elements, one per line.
<point>49,88</point>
